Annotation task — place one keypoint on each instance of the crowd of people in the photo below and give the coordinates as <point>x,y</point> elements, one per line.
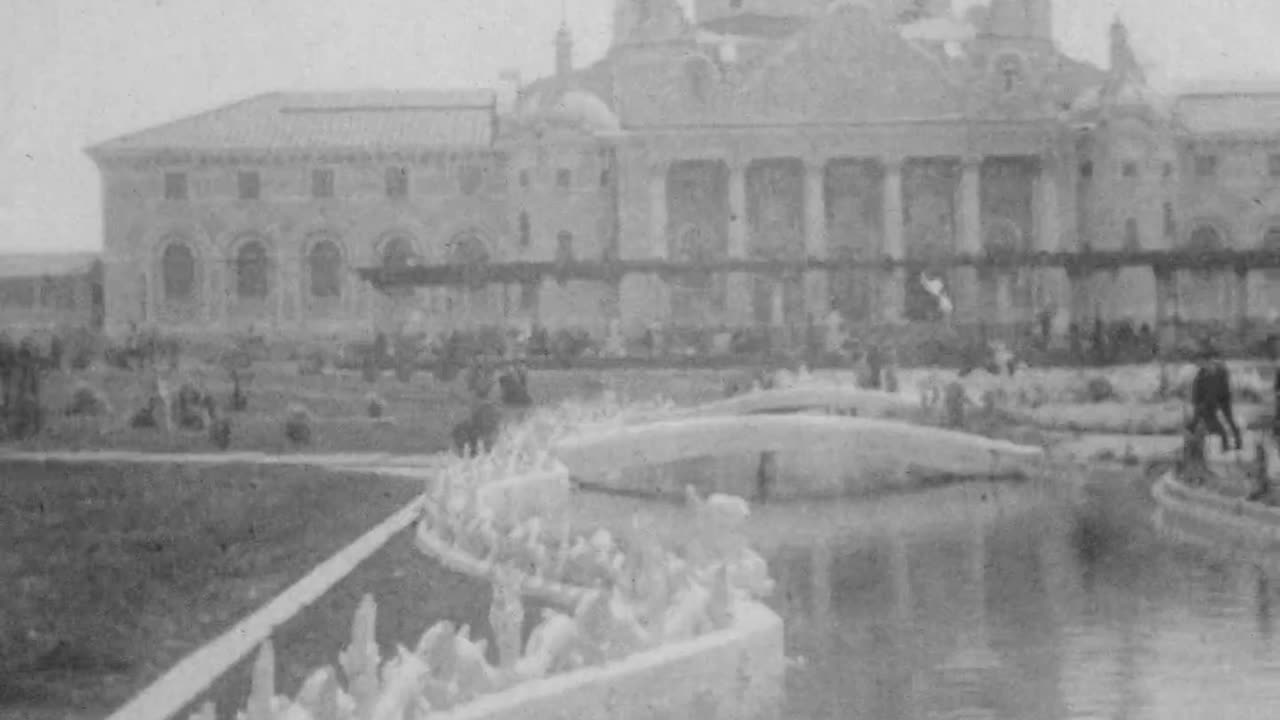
<point>22,365</point>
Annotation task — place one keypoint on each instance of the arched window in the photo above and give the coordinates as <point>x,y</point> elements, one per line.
<point>564,247</point>
<point>178,270</point>
<point>397,253</point>
<point>1205,239</point>
<point>253,275</point>
<point>467,249</point>
<point>324,266</point>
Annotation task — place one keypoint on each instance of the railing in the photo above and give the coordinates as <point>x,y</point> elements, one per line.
<point>1075,263</point>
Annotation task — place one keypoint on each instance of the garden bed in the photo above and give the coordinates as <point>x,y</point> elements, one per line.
<point>115,572</point>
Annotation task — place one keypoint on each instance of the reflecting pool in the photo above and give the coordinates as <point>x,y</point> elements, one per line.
<point>1023,606</point>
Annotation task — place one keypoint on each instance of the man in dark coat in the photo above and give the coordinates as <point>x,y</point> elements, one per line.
<point>1211,398</point>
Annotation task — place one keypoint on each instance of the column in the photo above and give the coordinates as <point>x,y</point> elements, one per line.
<point>892,296</point>
<point>658,211</point>
<point>970,303</point>
<point>656,293</point>
<point>1241,297</point>
<point>1049,229</point>
<point>281,287</point>
<point>817,296</point>
<point>738,285</point>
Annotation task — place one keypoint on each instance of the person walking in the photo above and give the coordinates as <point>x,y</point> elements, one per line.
<point>1211,399</point>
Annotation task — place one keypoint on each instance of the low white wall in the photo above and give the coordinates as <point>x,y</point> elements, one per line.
<point>734,673</point>
<point>838,398</point>
<point>835,454</point>
<point>1206,517</point>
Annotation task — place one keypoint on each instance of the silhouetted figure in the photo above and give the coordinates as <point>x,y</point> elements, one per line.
<point>1046,327</point>
<point>239,399</point>
<point>1211,398</point>
<point>1099,342</point>
<point>1075,346</point>
<point>479,432</point>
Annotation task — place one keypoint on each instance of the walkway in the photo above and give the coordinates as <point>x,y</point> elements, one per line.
<point>413,465</point>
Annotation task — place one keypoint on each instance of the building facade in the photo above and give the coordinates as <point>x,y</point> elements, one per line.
<point>766,129</point>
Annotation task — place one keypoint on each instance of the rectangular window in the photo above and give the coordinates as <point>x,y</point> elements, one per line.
<point>563,178</point>
<point>1206,166</point>
<point>1130,169</point>
<point>175,186</point>
<point>1273,165</point>
<point>397,182</point>
<point>524,178</point>
<point>249,184</point>
<point>322,183</point>
<point>1170,225</point>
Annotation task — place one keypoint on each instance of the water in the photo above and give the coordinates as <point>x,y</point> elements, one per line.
<point>1047,613</point>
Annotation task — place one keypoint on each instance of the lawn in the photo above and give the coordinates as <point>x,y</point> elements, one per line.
<point>421,413</point>
<point>113,573</point>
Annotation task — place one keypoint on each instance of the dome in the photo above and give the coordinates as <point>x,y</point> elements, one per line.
<point>572,107</point>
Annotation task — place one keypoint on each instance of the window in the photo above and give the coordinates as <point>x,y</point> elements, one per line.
<point>1170,224</point>
<point>564,247</point>
<point>1086,169</point>
<point>1273,165</point>
<point>397,182</point>
<point>525,232</point>
<point>175,186</point>
<point>1129,169</point>
<point>322,183</point>
<point>178,272</point>
<point>606,177</point>
<point>252,271</point>
<point>735,4</point>
<point>524,178</point>
<point>1168,169</point>
<point>563,178</point>
<point>397,253</point>
<point>1131,240</point>
<point>324,265</point>
<point>697,73</point>
<point>249,184</point>
<point>1206,166</point>
<point>470,178</point>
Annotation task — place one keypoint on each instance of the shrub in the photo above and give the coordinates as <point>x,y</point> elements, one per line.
<point>297,425</point>
<point>87,401</point>
<point>1099,389</point>
<point>375,406</point>
<point>220,433</point>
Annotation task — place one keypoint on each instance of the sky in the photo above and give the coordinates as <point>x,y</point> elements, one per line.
<point>76,72</point>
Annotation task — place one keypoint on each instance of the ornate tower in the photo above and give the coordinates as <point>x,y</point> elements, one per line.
<point>564,51</point>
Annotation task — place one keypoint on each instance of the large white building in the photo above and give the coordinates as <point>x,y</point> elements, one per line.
<point>757,129</point>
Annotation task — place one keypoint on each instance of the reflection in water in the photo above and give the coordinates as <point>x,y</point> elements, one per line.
<point>1039,615</point>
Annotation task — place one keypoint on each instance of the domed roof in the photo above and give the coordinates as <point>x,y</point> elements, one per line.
<point>578,108</point>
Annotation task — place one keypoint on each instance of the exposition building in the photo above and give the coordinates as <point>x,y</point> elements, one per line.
<point>890,136</point>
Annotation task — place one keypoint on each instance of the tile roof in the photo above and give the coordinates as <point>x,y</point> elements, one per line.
<point>360,119</point>
<point>1223,113</point>
<point>32,265</point>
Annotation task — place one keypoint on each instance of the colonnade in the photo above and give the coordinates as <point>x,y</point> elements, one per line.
<point>968,221</point>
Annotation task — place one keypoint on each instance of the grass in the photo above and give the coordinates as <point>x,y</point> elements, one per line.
<point>114,573</point>
<point>420,413</point>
